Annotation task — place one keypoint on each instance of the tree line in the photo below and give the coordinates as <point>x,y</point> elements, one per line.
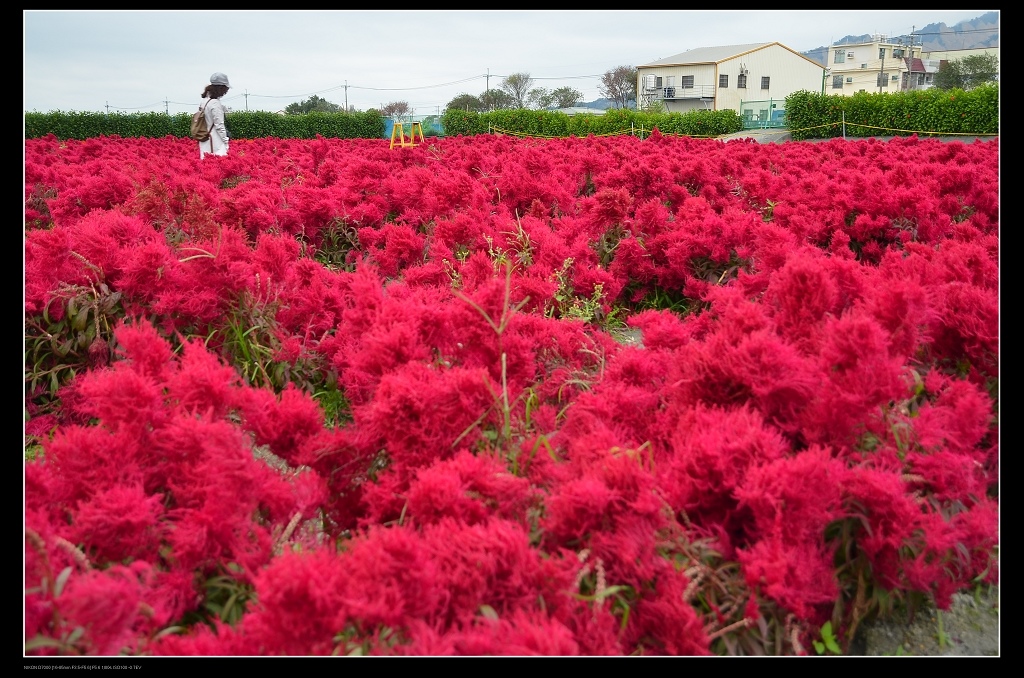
<point>618,85</point>
<point>515,91</point>
<point>518,91</point>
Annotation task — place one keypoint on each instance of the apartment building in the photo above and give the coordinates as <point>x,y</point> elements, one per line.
<point>880,65</point>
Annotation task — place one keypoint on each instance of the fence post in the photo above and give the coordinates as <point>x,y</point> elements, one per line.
<point>844,125</point>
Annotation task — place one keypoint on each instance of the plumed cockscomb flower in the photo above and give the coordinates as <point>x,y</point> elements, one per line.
<point>665,623</point>
<point>519,634</point>
<point>490,563</point>
<point>122,522</point>
<point>285,423</point>
<point>434,408</point>
<point>112,607</point>
<point>798,575</point>
<point>860,378</point>
<point>201,640</point>
<point>469,488</point>
<point>800,295</point>
<point>713,451</point>
<point>300,598</point>
<point>796,496</point>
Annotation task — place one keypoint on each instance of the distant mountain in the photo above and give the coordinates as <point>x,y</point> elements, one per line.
<point>976,33</point>
<point>604,104</point>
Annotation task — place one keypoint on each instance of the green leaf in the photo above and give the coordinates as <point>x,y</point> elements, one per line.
<point>40,642</point>
<point>62,579</point>
<point>75,635</point>
<point>488,612</point>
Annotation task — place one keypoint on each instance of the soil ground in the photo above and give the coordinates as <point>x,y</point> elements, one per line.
<point>970,627</point>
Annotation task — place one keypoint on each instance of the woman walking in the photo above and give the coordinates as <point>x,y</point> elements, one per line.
<point>214,112</point>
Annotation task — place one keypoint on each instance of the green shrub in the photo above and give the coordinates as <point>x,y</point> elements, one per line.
<point>240,124</point>
<point>613,121</point>
<point>932,111</point>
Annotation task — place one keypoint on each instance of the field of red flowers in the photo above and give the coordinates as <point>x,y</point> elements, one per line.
<point>489,395</point>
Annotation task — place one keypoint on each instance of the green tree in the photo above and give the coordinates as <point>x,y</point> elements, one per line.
<point>619,85</point>
<point>968,72</point>
<point>313,103</point>
<point>518,87</point>
<point>497,100</point>
<point>567,97</point>
<point>540,97</point>
<point>467,102</point>
<point>395,109</point>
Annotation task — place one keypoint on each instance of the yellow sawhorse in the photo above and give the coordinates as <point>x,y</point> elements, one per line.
<point>404,142</point>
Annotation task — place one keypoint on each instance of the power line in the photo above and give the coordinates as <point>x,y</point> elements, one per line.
<point>346,87</point>
<point>382,89</point>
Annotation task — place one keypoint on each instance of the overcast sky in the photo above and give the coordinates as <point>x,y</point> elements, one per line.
<point>158,60</point>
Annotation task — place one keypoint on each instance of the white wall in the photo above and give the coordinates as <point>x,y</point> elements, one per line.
<point>786,70</point>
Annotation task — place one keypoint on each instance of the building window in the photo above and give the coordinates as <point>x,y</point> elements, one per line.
<point>764,82</point>
<point>723,81</point>
<point>657,83</point>
<point>741,82</point>
<point>686,81</point>
<point>670,81</point>
<point>881,52</point>
<point>840,57</point>
<point>763,114</point>
<point>882,80</point>
<point>837,82</point>
<point>920,78</point>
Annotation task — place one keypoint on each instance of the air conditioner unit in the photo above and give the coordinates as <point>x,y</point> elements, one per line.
<point>849,55</point>
<point>849,80</point>
<point>744,71</point>
<point>670,92</point>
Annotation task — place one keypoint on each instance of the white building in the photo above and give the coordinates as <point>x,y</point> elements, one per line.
<point>879,65</point>
<point>728,77</point>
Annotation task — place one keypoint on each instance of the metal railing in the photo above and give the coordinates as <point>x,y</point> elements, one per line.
<point>695,92</point>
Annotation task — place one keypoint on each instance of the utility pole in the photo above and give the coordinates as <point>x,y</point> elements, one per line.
<point>881,73</point>
<point>826,70</point>
<point>167,109</point>
<point>910,68</point>
<point>488,89</point>
<point>346,96</point>
<point>246,100</point>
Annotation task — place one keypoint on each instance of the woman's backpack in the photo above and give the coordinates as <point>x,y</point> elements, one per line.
<point>199,130</point>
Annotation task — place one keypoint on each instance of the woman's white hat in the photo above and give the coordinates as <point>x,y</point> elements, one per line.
<point>219,79</point>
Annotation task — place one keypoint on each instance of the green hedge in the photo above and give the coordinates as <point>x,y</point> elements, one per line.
<point>240,124</point>
<point>809,115</point>
<point>370,125</point>
<point>614,121</point>
<point>820,116</point>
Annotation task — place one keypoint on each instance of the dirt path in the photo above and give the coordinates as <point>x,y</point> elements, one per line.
<point>971,628</point>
